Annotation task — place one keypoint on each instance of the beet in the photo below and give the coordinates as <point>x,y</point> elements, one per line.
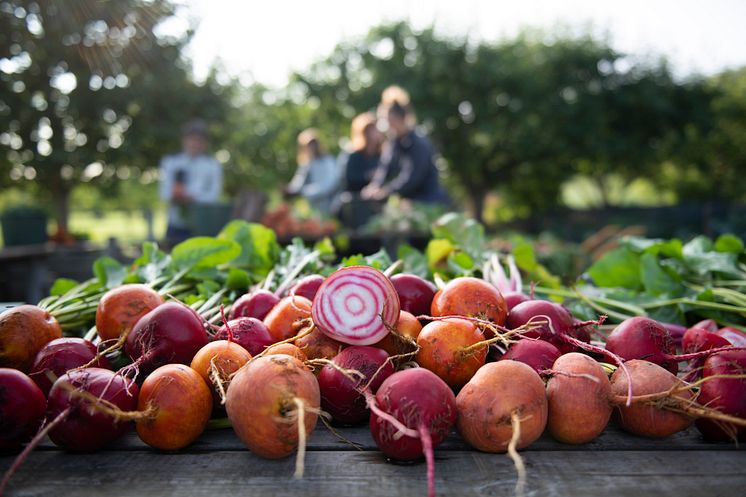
<point>121,307</point>
<point>470,297</point>
<point>169,334</point>
<point>84,428</point>
<point>340,395</point>
<point>24,330</point>
<point>423,406</point>
<point>512,299</point>
<point>22,406</point>
<point>579,394</point>
<point>250,333</point>
<point>60,356</point>
<point>724,394</point>
<point>735,336</point>
<point>643,338</point>
<point>356,305</point>
<point>266,402</point>
<point>538,354</point>
<point>308,286</point>
<point>256,304</point>
<point>498,393</point>
<point>415,293</point>
<point>643,418</point>
<point>562,323</point>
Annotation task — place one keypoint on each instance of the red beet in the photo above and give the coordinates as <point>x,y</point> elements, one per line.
<point>562,323</point>
<point>725,395</point>
<point>308,286</point>
<point>698,339</point>
<point>341,396</point>
<point>83,428</point>
<point>643,338</point>
<point>22,406</point>
<point>735,336</point>
<point>169,334</point>
<point>538,354</point>
<point>515,298</point>
<point>415,293</point>
<point>249,333</point>
<point>424,406</point>
<point>60,356</point>
<point>707,324</point>
<point>256,304</point>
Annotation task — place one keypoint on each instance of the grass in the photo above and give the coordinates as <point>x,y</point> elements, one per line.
<point>123,225</point>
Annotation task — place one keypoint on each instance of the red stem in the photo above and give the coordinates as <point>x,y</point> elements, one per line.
<point>225,322</point>
<point>427,449</point>
<point>701,353</point>
<point>467,318</point>
<point>31,446</point>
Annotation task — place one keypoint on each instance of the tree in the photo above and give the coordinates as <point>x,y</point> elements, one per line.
<point>708,162</point>
<point>90,92</point>
<point>519,116</point>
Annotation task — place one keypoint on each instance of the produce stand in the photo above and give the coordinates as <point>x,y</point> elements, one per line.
<point>219,464</point>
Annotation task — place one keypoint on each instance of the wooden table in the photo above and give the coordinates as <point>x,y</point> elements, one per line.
<point>218,464</point>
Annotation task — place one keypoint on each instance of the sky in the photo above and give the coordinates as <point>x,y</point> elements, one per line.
<point>266,40</point>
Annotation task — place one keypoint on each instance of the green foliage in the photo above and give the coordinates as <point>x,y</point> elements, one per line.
<point>259,247</point>
<point>93,84</point>
<point>204,252</point>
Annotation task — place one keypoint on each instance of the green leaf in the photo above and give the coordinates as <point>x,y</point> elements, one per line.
<point>379,260</point>
<point>525,257</point>
<point>415,261</point>
<point>238,279</point>
<point>259,250</point>
<point>109,272</point>
<point>465,233</point>
<point>617,268</point>
<point>206,273</point>
<point>460,263</point>
<point>436,252</point>
<point>668,248</point>
<point>204,251</point>
<point>697,246</point>
<point>655,279</point>
<point>207,288</point>
<point>326,249</point>
<point>152,263</point>
<point>729,243</point>
<point>668,314</point>
<point>701,259</point>
<point>61,286</point>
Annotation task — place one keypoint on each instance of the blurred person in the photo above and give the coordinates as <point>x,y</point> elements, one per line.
<point>407,166</point>
<point>188,178</point>
<point>358,167</point>
<point>317,176</point>
<point>366,141</point>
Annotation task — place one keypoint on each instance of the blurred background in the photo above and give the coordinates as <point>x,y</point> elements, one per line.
<point>551,119</point>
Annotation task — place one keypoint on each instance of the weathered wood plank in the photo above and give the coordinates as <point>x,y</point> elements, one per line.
<point>351,474</point>
<point>322,439</point>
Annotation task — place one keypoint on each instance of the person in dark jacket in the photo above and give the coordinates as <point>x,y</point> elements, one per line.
<point>362,162</point>
<point>407,165</point>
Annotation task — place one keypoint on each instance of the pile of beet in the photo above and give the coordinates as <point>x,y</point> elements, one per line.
<point>412,361</point>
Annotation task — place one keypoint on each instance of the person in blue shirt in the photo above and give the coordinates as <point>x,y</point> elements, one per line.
<point>317,176</point>
<point>190,177</point>
<point>407,166</point>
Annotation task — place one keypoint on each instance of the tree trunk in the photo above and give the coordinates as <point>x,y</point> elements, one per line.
<point>601,184</point>
<point>478,198</point>
<point>61,203</point>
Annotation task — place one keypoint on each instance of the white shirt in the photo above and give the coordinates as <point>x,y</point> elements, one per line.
<point>202,177</point>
